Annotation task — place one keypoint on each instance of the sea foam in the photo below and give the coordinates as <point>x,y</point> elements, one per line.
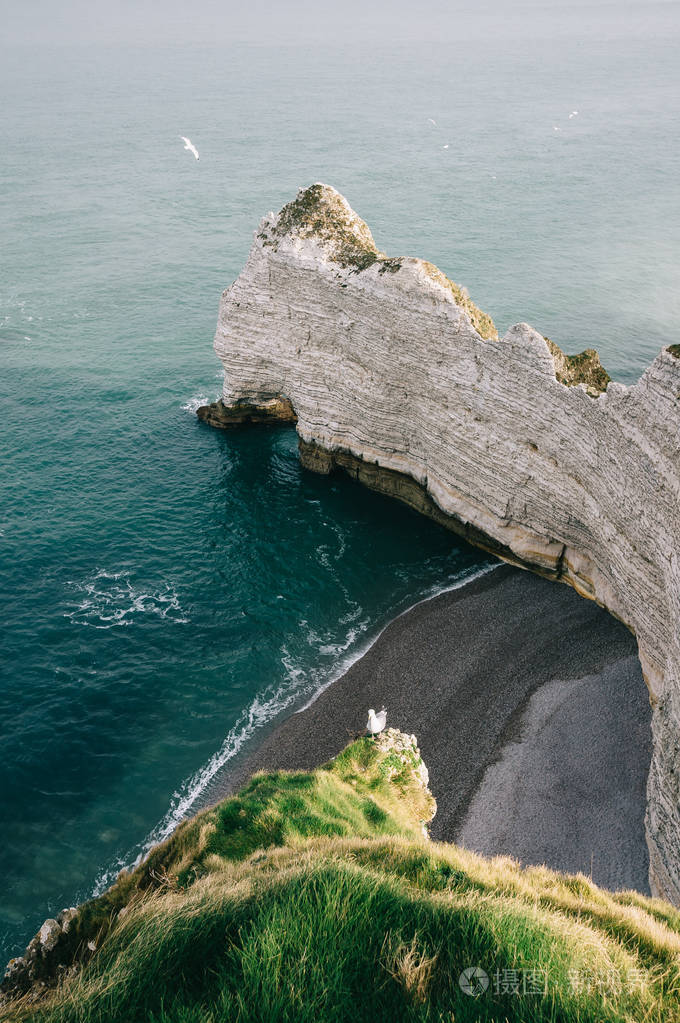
<point>197,400</point>
<point>111,599</point>
<point>298,682</point>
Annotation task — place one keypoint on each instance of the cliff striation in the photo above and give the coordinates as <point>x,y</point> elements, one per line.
<point>393,375</point>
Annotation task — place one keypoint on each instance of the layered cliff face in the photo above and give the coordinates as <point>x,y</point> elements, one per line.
<point>392,374</point>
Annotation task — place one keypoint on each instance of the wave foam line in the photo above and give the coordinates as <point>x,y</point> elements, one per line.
<point>435,591</point>
<point>197,400</point>
<point>112,600</point>
<point>261,712</point>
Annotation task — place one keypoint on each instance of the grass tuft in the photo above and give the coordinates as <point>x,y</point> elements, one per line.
<point>313,897</point>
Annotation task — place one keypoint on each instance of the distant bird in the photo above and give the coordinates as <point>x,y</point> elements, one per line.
<point>376,722</point>
<point>446,146</point>
<point>574,113</point>
<point>432,121</point>
<point>188,145</point>
<point>555,128</point>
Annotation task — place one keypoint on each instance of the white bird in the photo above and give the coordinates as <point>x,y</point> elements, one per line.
<point>446,146</point>
<point>376,722</point>
<point>188,144</point>
<point>555,128</point>
<point>574,113</point>
<point>432,121</point>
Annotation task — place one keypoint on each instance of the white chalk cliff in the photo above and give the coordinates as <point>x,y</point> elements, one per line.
<point>391,373</point>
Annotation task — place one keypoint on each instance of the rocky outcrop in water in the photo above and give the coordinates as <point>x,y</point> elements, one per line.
<point>393,375</point>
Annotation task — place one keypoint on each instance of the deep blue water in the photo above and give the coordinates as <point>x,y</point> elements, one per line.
<point>168,590</point>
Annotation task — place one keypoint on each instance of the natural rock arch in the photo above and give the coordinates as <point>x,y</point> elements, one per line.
<point>392,373</point>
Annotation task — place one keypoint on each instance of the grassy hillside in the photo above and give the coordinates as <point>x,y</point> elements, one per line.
<point>317,897</point>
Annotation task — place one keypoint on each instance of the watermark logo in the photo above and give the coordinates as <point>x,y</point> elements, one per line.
<point>474,981</point>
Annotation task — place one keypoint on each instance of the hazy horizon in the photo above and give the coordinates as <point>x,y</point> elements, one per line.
<point>211,22</point>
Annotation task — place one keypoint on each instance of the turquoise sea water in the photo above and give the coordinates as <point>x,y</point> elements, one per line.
<point>168,590</point>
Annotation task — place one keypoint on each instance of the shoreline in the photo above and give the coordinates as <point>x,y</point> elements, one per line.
<point>521,695</point>
<point>236,770</point>
<point>213,778</point>
<point>459,584</point>
<point>539,774</point>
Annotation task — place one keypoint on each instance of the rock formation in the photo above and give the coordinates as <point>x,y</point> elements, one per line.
<point>402,755</point>
<point>393,375</point>
<point>48,959</point>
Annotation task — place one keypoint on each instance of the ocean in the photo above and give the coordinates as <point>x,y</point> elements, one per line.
<point>167,591</point>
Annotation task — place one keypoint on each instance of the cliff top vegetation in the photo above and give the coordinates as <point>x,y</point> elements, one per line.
<point>321,212</point>
<point>584,368</point>
<point>313,897</point>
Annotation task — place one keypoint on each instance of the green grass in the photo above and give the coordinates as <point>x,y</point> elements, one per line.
<point>315,897</point>
<point>584,368</point>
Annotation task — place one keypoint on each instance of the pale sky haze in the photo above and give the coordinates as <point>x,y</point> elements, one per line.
<point>172,22</point>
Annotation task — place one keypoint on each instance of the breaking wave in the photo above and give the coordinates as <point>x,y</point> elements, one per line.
<point>112,599</point>
<point>197,400</point>
<point>299,682</point>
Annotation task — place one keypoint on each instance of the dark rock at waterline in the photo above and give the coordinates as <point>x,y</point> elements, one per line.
<point>277,411</point>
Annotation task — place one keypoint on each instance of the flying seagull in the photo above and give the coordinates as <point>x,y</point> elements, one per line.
<point>188,144</point>
<point>376,722</point>
<point>574,113</point>
<point>432,121</point>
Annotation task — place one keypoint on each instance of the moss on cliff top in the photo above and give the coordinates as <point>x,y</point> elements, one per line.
<point>319,211</point>
<point>481,321</point>
<point>584,368</point>
<point>674,350</point>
